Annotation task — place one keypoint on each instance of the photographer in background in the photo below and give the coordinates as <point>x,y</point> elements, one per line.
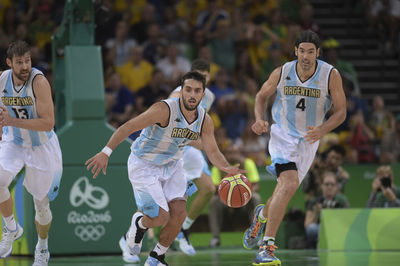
<point>330,198</point>
<point>384,192</point>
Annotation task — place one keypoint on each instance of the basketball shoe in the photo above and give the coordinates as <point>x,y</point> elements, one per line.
<point>126,255</point>
<point>135,235</point>
<point>266,256</point>
<point>42,257</point>
<point>155,260</point>
<point>254,233</point>
<point>7,240</point>
<point>184,243</point>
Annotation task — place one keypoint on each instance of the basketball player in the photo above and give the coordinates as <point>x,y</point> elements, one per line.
<point>28,140</point>
<point>305,89</point>
<point>155,165</point>
<point>196,167</point>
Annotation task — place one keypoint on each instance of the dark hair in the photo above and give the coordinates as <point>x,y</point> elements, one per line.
<point>338,149</point>
<point>200,65</point>
<point>308,36</point>
<point>196,76</point>
<point>18,48</point>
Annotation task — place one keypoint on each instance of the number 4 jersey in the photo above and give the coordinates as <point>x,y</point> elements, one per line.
<point>301,104</point>
<point>21,103</point>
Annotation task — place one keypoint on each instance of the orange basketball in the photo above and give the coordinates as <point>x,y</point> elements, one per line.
<point>235,191</point>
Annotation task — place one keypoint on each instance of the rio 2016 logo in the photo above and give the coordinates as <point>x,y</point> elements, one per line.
<point>89,225</point>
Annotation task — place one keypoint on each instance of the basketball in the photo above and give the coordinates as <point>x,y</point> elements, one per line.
<point>235,191</point>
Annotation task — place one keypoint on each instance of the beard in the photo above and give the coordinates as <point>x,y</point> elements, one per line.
<point>21,76</point>
<point>187,107</point>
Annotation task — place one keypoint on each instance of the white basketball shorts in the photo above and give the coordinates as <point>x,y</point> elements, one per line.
<point>43,166</point>
<point>194,163</point>
<point>285,148</point>
<point>156,185</point>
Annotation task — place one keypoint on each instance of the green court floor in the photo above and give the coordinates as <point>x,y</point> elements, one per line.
<point>231,256</point>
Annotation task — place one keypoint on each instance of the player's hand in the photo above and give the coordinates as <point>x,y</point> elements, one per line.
<point>98,163</point>
<point>313,134</point>
<point>4,116</point>
<point>259,127</point>
<point>233,170</point>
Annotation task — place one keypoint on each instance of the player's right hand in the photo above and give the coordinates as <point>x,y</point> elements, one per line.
<point>98,163</point>
<point>259,127</point>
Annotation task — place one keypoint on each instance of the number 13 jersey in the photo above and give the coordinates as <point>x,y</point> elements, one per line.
<point>301,104</point>
<point>21,103</point>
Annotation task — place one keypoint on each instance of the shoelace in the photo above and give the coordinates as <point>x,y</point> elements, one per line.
<point>42,256</point>
<point>255,229</point>
<point>269,249</point>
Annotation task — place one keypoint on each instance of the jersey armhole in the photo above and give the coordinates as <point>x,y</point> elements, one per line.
<point>202,122</point>
<point>33,79</point>
<point>169,115</point>
<point>329,79</point>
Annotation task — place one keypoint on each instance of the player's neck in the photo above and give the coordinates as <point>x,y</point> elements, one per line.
<point>189,115</point>
<point>17,82</point>
<point>306,74</point>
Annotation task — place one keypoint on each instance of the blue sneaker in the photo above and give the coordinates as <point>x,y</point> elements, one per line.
<point>155,260</point>
<point>266,256</point>
<point>254,233</point>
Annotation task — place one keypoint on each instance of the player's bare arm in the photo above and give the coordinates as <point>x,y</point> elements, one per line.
<point>339,106</point>
<point>44,107</point>
<point>267,90</point>
<point>213,153</point>
<point>158,113</point>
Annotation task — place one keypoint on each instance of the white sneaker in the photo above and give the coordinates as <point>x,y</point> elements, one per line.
<point>126,255</point>
<point>184,243</point>
<point>135,235</point>
<point>42,257</point>
<point>7,240</point>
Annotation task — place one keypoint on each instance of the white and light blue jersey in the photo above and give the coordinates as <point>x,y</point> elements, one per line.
<point>161,145</point>
<point>301,104</point>
<point>207,101</point>
<point>21,103</point>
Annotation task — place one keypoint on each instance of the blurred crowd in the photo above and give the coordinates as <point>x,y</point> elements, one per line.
<point>148,44</point>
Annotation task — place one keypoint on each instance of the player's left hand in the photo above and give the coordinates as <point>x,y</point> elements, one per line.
<point>233,170</point>
<point>98,163</point>
<point>313,134</point>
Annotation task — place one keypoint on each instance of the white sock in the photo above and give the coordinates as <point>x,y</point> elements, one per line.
<point>160,249</point>
<point>187,223</point>
<point>42,243</point>
<point>10,222</point>
<point>141,224</point>
<point>260,214</point>
<point>269,239</point>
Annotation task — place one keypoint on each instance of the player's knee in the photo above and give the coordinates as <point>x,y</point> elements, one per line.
<point>43,213</point>
<point>4,194</point>
<point>5,177</point>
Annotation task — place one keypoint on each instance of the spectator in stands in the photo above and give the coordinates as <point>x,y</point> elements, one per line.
<point>155,91</point>
<point>381,120</point>
<point>218,212</point>
<point>119,101</point>
<point>361,140</point>
<point>333,162</point>
<point>174,28</point>
<point>120,46</point>
<point>252,146</point>
<point>205,53</point>
<point>221,86</point>
<point>274,60</point>
<point>41,29</point>
<point>330,198</point>
<point>390,146</point>
<point>154,46</point>
<point>223,46</point>
<point>332,49</point>
<point>209,19</point>
<point>243,70</point>
<point>136,73</point>
<point>107,18</point>
<point>307,21</point>
<point>173,65</point>
<point>198,39</point>
<point>384,192</point>
<point>139,29</point>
